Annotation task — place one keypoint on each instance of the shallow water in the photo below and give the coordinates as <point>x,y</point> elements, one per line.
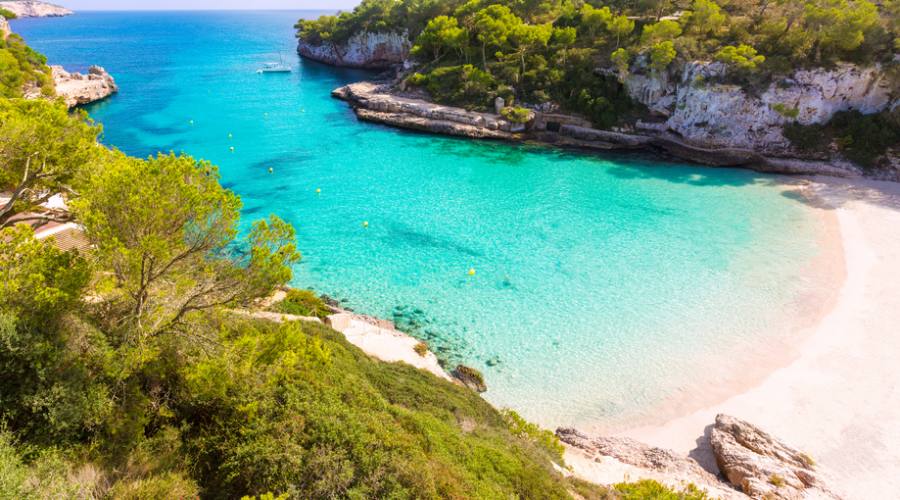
<point>603,285</point>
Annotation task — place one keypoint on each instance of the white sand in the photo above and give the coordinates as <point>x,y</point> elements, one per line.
<point>839,399</point>
<point>381,340</point>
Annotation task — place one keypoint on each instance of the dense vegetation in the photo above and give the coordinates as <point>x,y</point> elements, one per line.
<point>22,69</point>
<point>860,138</point>
<point>535,51</point>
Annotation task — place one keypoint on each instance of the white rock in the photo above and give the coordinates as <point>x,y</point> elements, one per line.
<point>35,9</point>
<point>363,50</point>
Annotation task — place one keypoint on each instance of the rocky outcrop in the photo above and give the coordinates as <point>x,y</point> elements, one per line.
<point>35,9</point>
<point>469,377</point>
<point>4,28</point>
<point>381,103</point>
<point>78,89</point>
<point>752,463</point>
<point>707,113</point>
<point>376,103</point>
<point>367,50</point>
<point>761,465</point>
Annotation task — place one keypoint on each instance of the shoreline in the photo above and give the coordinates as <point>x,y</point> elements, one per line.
<point>833,399</point>
<point>380,103</point>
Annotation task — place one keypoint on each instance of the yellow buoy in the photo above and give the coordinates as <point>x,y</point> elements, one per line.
<point>471,271</point>
<point>271,170</point>
<point>318,190</point>
<point>365,223</point>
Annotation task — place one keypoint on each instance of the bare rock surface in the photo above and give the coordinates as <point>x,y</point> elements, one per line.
<point>763,466</point>
<point>644,462</point>
<point>77,89</point>
<point>365,49</point>
<point>35,9</point>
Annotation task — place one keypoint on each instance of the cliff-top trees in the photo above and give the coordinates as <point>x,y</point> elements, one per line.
<point>442,34</point>
<point>42,147</point>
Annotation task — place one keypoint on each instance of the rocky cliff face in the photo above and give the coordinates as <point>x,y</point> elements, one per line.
<point>713,114</point>
<point>77,89</point>
<point>4,28</point>
<point>363,50</point>
<point>35,9</point>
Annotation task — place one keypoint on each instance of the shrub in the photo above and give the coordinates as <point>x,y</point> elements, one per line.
<point>303,303</point>
<point>8,14</point>
<point>742,57</point>
<point>421,349</point>
<point>781,109</point>
<point>547,440</point>
<point>648,488</point>
<point>861,138</point>
<point>516,114</point>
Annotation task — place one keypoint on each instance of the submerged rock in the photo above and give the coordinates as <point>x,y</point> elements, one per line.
<point>77,89</point>
<point>761,465</point>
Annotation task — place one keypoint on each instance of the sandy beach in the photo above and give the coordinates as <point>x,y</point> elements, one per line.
<point>839,398</point>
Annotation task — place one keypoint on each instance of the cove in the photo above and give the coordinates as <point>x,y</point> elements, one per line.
<point>604,286</point>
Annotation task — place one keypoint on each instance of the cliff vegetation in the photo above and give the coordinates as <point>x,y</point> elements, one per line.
<point>576,53</point>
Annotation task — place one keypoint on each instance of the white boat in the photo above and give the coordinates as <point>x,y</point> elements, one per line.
<point>275,67</point>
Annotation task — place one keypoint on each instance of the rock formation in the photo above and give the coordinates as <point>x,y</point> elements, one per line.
<point>363,50</point>
<point>4,28</point>
<point>752,463</point>
<point>469,377</point>
<point>26,8</point>
<point>77,89</point>
<point>382,103</point>
<point>707,113</point>
<point>761,465</point>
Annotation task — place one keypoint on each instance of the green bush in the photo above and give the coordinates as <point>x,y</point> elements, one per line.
<point>7,14</point>
<point>861,138</point>
<point>648,489</point>
<point>464,85</point>
<point>516,114</point>
<point>303,303</point>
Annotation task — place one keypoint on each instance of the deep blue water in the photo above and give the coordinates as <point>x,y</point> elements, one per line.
<point>603,285</point>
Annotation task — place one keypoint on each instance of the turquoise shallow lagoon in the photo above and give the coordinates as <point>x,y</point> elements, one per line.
<point>603,285</point>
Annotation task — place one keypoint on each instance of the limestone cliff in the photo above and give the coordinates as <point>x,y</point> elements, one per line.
<point>367,50</point>
<point>77,89</point>
<point>702,110</point>
<point>35,9</point>
<point>4,28</point>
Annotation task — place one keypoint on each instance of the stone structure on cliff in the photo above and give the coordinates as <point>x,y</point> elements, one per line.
<point>27,8</point>
<point>368,50</point>
<point>78,89</point>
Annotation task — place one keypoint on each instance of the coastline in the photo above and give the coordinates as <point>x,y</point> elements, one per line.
<point>833,399</point>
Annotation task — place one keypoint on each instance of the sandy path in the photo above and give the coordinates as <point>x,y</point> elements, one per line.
<point>840,399</point>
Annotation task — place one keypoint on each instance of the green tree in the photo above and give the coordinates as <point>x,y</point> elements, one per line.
<point>838,26</point>
<point>662,31</point>
<point>493,26</point>
<point>440,35</point>
<point>7,14</point>
<point>42,147</point>
<point>564,38</point>
<point>529,37</point>
<point>704,18</point>
<point>622,59</point>
<point>743,57</point>
<point>166,229</point>
<point>594,20</point>
<point>620,26</point>
<point>661,55</point>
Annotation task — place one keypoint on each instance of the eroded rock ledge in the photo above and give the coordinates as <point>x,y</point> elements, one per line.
<point>78,89</point>
<point>368,50</point>
<point>381,103</point>
<point>751,462</point>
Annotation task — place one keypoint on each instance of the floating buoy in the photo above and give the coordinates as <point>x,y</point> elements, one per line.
<point>231,149</point>
<point>230,136</point>
<point>271,170</point>
<point>318,190</point>
<point>471,271</point>
<point>191,122</point>
<point>365,223</point>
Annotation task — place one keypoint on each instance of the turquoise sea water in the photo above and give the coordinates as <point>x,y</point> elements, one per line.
<point>603,284</point>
